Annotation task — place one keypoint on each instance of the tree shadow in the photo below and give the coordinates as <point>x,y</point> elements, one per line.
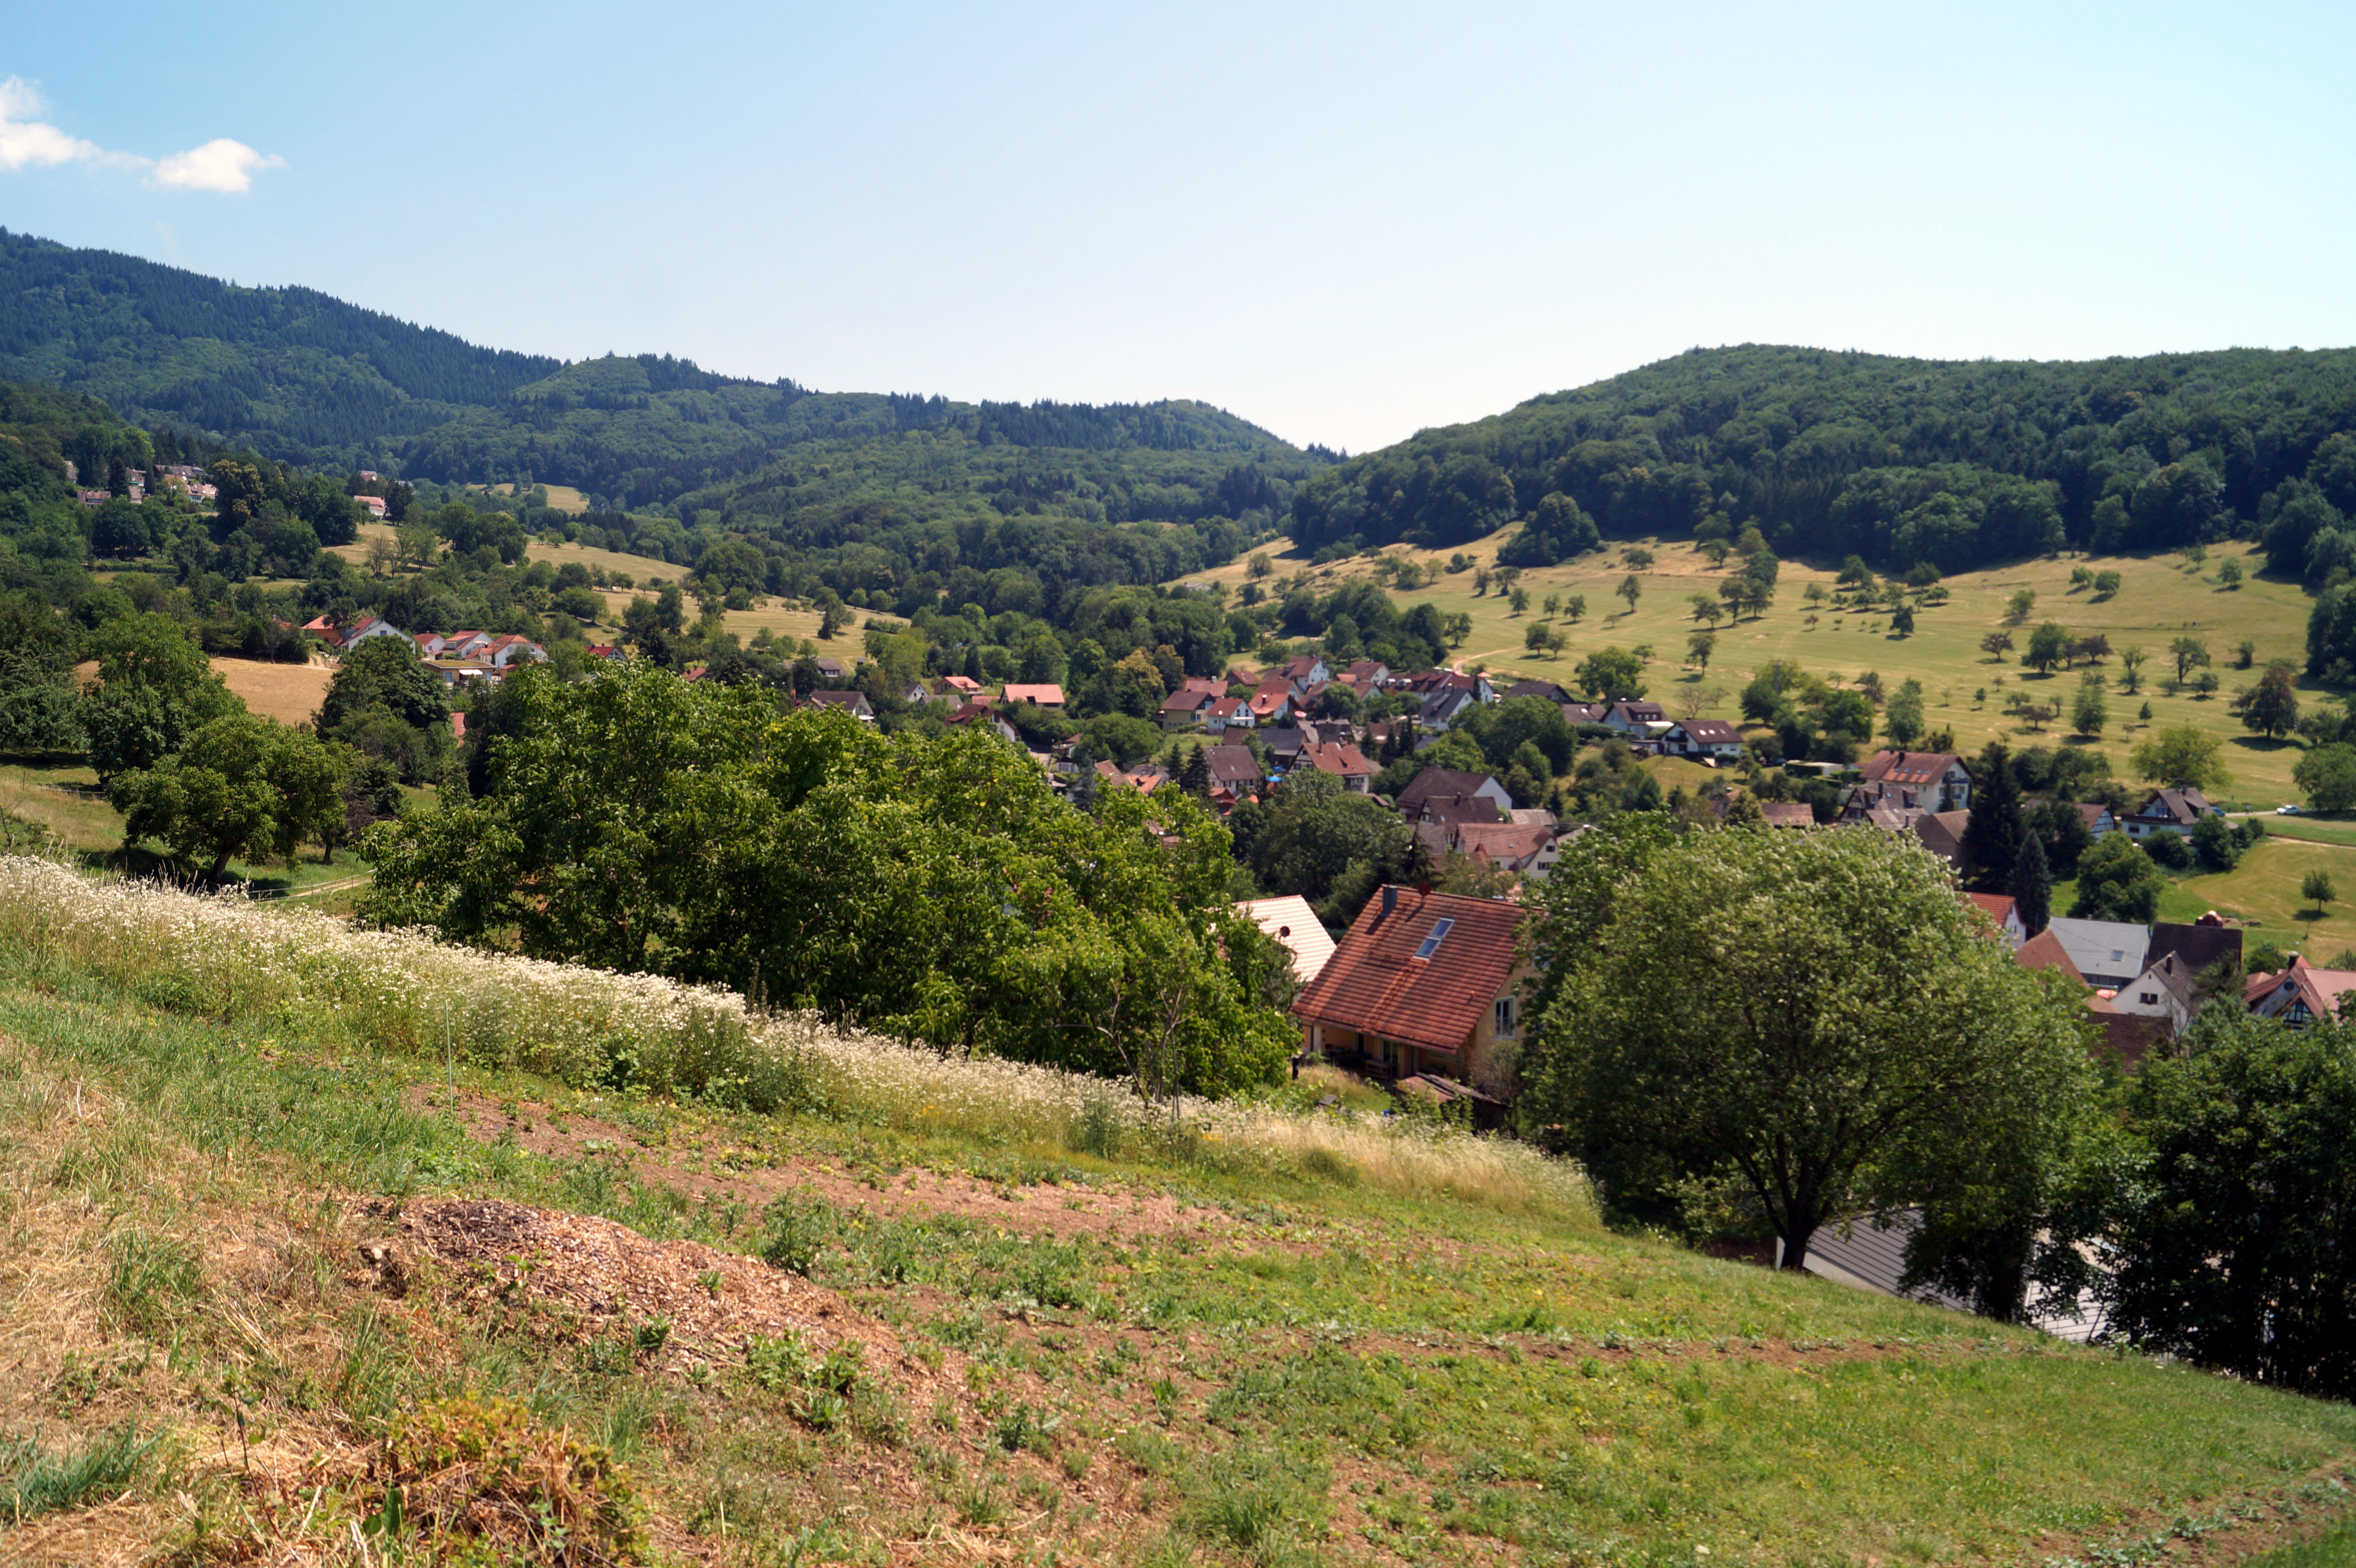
<point>2265,743</point>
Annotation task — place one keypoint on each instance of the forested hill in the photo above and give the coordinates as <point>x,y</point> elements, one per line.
<point>1898,460</point>
<point>298,376</point>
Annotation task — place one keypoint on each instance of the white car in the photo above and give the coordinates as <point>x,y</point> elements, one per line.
<point>2286,811</point>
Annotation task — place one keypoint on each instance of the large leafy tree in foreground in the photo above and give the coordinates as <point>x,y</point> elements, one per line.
<point>1803,1027</point>
<point>935,889</point>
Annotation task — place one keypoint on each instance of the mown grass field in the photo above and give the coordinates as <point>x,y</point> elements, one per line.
<point>2161,599</point>
<point>1117,1354</point>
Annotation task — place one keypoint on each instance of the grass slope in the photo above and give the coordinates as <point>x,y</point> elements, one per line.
<point>2160,601</point>
<point>1130,1355</point>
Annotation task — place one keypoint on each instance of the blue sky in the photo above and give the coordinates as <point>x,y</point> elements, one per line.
<point>1343,222</point>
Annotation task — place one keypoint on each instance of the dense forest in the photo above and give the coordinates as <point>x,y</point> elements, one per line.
<point>303,378</point>
<point>1898,461</point>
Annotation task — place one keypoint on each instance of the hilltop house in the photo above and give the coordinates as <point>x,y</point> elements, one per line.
<point>1423,984</point>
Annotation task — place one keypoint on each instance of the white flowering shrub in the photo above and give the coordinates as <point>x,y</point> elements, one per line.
<point>226,958</point>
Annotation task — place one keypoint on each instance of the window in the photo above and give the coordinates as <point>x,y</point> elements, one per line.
<point>2149,997</point>
<point>1505,1018</point>
<point>1439,931</point>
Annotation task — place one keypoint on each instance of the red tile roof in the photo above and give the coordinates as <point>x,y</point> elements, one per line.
<point>2044,951</point>
<point>1374,984</point>
<point>1344,760</point>
<point>1046,694</point>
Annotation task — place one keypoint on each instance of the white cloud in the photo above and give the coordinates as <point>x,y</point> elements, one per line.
<point>29,142</point>
<point>219,164</point>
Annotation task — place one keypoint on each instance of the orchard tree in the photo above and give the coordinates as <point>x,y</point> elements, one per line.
<point>2116,881</point>
<point>2182,755</point>
<point>1610,674</point>
<point>1796,1026</point>
<point>2327,776</point>
<point>2270,707</point>
<point>156,689</point>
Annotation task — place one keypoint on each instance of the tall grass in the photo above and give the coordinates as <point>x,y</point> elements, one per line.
<point>226,959</point>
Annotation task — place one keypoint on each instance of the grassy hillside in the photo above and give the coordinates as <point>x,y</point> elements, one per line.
<point>2161,598</point>
<point>1001,1318</point>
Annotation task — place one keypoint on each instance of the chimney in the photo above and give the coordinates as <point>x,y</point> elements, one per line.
<point>1390,900</point>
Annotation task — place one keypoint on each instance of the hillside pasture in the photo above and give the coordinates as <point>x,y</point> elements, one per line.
<point>2161,598</point>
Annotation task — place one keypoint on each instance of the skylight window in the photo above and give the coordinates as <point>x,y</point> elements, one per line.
<point>1440,930</point>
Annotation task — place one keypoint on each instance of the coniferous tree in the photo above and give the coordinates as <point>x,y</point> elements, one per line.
<point>1194,778</point>
<point>2032,886</point>
<point>1992,838</point>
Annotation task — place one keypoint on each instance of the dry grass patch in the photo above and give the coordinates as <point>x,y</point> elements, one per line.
<point>290,693</point>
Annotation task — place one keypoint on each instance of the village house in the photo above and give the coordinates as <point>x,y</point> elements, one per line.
<point>1578,713</point>
<point>1438,795</point>
<point>831,668</point>
<point>1543,691</point>
<point>1227,713</point>
<point>453,645</point>
<point>1271,703</point>
<point>1941,832</point>
<point>1234,768</point>
<point>373,504</point>
<point>1345,762</point>
<point>1442,708</point>
<point>1292,925</point>
<point>852,703</point>
<point>915,693</point>
<point>1046,694</point>
<point>504,651</point>
<point>1185,710</point>
<point>2300,994</point>
<point>1527,849</point>
<point>2169,811</point>
<point>1303,671</point>
<point>1638,720</point>
<point>2105,953</point>
<point>1423,985</point>
<point>1934,781</point>
<point>1714,739</point>
<point>2002,912</point>
<point>1283,746</point>
<point>375,626</point>
<point>962,686</point>
<point>1366,677</point>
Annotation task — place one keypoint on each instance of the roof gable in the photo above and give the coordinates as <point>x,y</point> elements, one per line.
<point>1384,980</point>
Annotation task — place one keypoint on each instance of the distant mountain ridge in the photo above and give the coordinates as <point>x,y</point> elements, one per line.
<point>302,377</point>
